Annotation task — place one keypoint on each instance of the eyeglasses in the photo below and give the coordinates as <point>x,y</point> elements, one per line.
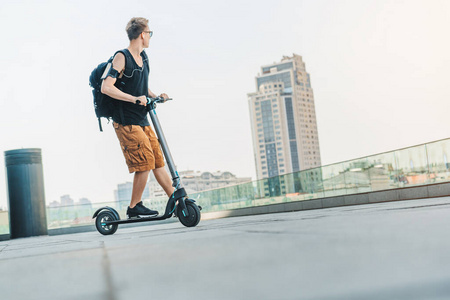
<point>149,32</point>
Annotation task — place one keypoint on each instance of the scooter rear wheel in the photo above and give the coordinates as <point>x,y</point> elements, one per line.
<point>100,223</point>
<point>193,216</point>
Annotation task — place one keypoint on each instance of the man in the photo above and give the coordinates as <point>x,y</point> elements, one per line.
<point>139,143</point>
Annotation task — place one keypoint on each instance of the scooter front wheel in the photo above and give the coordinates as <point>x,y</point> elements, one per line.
<point>193,216</point>
<point>102,227</point>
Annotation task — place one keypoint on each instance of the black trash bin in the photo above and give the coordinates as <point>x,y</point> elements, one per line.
<point>26,197</point>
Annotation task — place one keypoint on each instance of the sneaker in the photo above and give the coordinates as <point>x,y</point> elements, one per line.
<point>140,210</point>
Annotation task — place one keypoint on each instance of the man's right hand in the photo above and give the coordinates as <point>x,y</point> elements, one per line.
<point>142,99</point>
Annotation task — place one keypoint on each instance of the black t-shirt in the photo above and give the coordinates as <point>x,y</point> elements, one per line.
<point>135,83</point>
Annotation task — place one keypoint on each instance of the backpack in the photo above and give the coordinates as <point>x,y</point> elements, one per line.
<point>103,104</point>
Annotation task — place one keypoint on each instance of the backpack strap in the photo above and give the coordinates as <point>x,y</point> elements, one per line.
<point>128,70</point>
<point>144,54</point>
<point>100,124</point>
<point>128,63</point>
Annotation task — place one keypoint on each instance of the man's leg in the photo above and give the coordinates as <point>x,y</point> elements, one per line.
<point>164,180</point>
<point>139,183</point>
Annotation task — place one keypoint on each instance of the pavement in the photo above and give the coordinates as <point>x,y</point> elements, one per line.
<point>396,250</point>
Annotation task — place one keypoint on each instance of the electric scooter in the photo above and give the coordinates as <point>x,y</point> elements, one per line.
<point>108,219</point>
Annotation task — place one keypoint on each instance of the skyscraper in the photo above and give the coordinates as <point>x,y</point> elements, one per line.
<point>283,119</point>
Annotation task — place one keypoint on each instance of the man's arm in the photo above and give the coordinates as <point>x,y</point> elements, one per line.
<point>153,95</point>
<point>109,89</point>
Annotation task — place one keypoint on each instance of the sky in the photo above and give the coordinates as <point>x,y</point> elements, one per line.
<point>379,71</point>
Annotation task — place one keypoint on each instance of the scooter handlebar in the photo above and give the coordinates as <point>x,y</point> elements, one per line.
<point>157,100</point>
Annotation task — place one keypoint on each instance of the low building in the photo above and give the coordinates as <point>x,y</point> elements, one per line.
<point>66,200</point>
<point>123,194</point>
<point>193,181</point>
<point>201,181</point>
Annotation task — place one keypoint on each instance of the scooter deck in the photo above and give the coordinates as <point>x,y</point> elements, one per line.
<point>137,220</point>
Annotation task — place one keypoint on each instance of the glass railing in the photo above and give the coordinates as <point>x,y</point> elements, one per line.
<point>413,166</point>
<point>4,222</point>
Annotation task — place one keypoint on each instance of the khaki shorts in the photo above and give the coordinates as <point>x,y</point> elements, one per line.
<point>140,146</point>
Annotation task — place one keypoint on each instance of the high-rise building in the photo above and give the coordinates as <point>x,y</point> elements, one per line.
<point>283,119</point>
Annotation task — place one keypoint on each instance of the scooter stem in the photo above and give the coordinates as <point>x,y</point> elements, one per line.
<point>176,182</point>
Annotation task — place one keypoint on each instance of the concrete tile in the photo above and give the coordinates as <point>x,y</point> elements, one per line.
<point>312,204</point>
<point>413,193</point>
<point>276,208</point>
<point>356,199</point>
<point>438,190</point>
<point>294,206</point>
<point>257,210</point>
<point>333,202</point>
<point>69,230</point>
<point>383,196</point>
<point>240,212</point>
